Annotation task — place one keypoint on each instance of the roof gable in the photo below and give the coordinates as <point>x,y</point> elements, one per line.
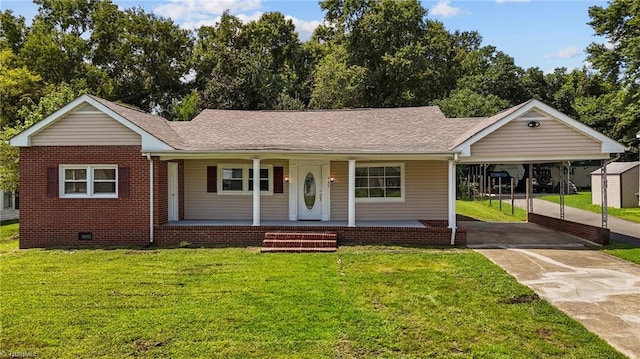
<point>531,109</point>
<point>150,142</point>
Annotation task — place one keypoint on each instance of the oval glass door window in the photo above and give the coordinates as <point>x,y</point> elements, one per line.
<point>309,191</point>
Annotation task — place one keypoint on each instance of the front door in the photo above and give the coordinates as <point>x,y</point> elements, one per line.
<point>310,193</point>
<point>172,176</point>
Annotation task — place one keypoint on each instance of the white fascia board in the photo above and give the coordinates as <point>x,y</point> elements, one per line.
<point>608,145</point>
<point>533,159</point>
<point>149,142</point>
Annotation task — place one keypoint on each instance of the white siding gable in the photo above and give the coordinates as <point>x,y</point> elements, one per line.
<point>86,126</point>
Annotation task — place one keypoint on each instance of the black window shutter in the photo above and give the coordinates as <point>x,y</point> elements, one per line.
<point>52,181</point>
<point>278,179</point>
<point>123,181</point>
<point>212,179</point>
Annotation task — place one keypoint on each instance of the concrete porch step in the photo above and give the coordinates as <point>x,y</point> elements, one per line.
<point>300,242</point>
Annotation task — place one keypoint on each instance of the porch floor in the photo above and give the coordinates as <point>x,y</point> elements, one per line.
<point>213,223</point>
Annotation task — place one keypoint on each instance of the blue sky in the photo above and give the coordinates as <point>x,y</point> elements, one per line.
<point>545,34</point>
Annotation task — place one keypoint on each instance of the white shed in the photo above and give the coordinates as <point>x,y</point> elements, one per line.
<point>622,184</point>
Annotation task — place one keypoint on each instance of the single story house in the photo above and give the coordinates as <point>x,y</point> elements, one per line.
<point>10,206</point>
<point>622,184</point>
<point>100,173</point>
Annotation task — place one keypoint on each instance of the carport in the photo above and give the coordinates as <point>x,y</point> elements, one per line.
<point>530,134</point>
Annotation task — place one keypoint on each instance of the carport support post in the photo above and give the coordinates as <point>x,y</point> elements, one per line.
<point>530,189</point>
<point>256,191</point>
<point>603,194</point>
<point>561,188</point>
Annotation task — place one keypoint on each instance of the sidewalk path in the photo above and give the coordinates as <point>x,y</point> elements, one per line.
<point>599,290</point>
<point>621,230</point>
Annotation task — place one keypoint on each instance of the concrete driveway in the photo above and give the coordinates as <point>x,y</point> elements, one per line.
<point>518,235</point>
<point>599,290</point>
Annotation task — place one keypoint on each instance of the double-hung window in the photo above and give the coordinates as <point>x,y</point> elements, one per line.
<point>380,182</point>
<point>89,181</point>
<point>238,179</point>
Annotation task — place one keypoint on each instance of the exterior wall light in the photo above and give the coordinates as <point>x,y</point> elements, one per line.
<point>533,124</point>
<point>286,180</point>
<point>332,180</point>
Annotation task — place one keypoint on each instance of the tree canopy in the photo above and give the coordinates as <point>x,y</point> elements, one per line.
<point>366,53</point>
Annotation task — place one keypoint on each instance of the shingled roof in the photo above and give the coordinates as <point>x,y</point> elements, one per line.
<point>371,130</point>
<point>390,130</point>
<point>155,125</point>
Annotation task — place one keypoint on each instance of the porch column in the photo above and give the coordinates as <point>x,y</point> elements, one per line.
<point>452,200</point>
<point>352,193</point>
<point>256,191</point>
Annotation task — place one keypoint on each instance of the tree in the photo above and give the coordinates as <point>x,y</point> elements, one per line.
<point>619,63</point>
<point>12,31</point>
<point>466,103</point>
<point>148,60</point>
<point>337,85</point>
<point>187,108</point>
<point>254,66</point>
<point>18,87</point>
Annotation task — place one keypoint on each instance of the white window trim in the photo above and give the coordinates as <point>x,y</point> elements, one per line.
<point>384,199</point>
<point>89,169</point>
<point>245,179</point>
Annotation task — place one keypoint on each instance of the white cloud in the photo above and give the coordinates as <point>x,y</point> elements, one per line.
<point>184,9</point>
<point>506,1</point>
<point>443,8</point>
<point>564,53</point>
<point>304,27</point>
<point>192,14</point>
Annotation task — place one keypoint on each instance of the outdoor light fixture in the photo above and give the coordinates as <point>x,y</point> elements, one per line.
<point>286,180</point>
<point>533,124</point>
<point>332,180</point>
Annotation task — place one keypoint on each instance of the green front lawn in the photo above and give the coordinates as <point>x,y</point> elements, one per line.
<point>364,302</point>
<point>582,200</point>
<point>481,211</point>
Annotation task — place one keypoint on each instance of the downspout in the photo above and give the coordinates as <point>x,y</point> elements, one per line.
<point>603,190</point>
<point>150,198</point>
<point>452,182</point>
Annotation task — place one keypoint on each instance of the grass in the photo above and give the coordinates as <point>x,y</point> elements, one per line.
<point>8,235</point>
<point>582,200</point>
<point>624,251</point>
<point>481,211</point>
<point>364,302</point>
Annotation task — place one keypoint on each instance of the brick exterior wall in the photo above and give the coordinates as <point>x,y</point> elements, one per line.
<point>591,233</point>
<point>55,222</point>
<point>230,236</point>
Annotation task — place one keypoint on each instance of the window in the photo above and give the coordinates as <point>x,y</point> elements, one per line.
<point>238,179</point>
<point>264,179</point>
<point>89,181</point>
<point>380,182</point>
<point>232,179</point>
<point>7,200</point>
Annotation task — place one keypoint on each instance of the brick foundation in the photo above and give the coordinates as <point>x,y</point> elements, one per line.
<point>228,236</point>
<point>594,234</point>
